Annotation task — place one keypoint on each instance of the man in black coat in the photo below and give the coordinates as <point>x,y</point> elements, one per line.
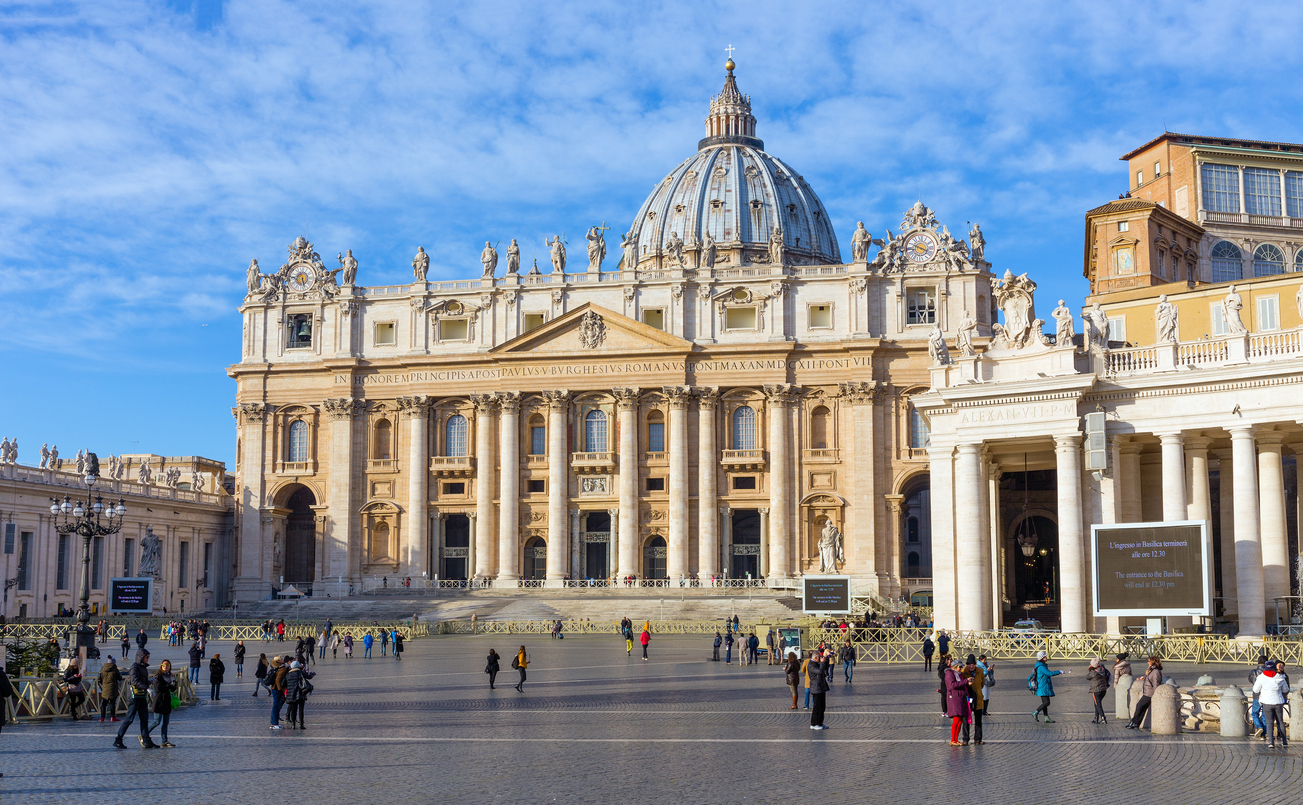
<point>142,639</point>
<point>820,663</point>
<point>138,685</point>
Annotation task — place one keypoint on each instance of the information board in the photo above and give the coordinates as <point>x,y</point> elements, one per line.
<point>1152,569</point>
<point>131,596</point>
<point>826,594</point>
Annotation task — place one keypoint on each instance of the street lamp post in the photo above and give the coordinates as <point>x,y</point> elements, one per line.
<point>94,518</point>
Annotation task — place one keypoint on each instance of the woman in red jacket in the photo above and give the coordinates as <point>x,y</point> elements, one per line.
<point>646,638</point>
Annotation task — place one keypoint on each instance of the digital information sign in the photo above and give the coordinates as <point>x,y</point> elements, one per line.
<point>1152,569</point>
<point>131,596</point>
<point>826,594</point>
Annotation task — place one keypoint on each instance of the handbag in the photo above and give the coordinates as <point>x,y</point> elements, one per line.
<point>176,702</point>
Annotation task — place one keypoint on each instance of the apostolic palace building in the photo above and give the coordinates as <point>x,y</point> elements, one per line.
<point>728,395</point>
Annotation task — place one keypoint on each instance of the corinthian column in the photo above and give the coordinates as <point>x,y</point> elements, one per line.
<point>1271,506</point>
<point>677,561</point>
<point>252,581</point>
<point>558,540</point>
<point>1248,537</point>
<point>1072,544</point>
<point>969,539</point>
<point>484,466</point>
<point>780,485</point>
<point>707,488</point>
<point>626,549</point>
<point>417,412</point>
<point>340,493</point>
<point>1174,504</point>
<point>509,491</point>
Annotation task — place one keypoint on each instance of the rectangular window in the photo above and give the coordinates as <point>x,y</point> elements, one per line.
<point>208,562</point>
<point>1158,169</point>
<point>654,318</point>
<point>453,329</point>
<point>183,563</point>
<point>655,484</point>
<point>920,436</point>
<point>24,557</point>
<point>1219,320</point>
<point>538,440</point>
<point>1123,226</point>
<point>1140,178</point>
<point>921,306</point>
<point>820,317</point>
<point>533,321</point>
<point>740,318</point>
<point>536,487</point>
<point>656,437</point>
<point>61,571</point>
<point>10,530</point>
<point>97,563</point>
<point>456,488</point>
<point>299,331</point>
<point>1268,314</point>
<point>1221,188</point>
<point>128,556</point>
<point>1117,330</point>
<point>744,482</point>
<point>1261,191</point>
<point>386,334</point>
<point>1294,194</point>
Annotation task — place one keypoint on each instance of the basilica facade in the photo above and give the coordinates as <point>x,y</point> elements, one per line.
<point>725,397</point>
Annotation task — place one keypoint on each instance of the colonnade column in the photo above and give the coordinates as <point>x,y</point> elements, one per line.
<point>612,540</point>
<point>1072,553</point>
<point>677,561</point>
<point>1129,483</point>
<point>1173,476</point>
<point>626,401</point>
<point>1199,497</point>
<point>509,487</point>
<point>470,550</point>
<point>970,584</point>
<point>992,564</point>
<point>1271,508</point>
<point>1226,505</point>
<point>416,410</point>
<point>707,485</point>
<point>1248,539</point>
<point>558,538</point>
<point>250,582</point>
<point>941,469</point>
<point>340,494</point>
<point>484,485</point>
<point>871,547</point>
<point>725,539</point>
<point>764,541</point>
<point>780,488</point>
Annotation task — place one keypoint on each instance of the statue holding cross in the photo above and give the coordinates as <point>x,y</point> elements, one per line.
<point>596,246</point>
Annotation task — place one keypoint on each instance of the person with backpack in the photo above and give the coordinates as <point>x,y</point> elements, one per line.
<point>110,678</point>
<point>1272,689</point>
<point>297,688</point>
<point>138,682</point>
<point>1151,680</point>
<point>628,639</point>
<point>1097,677</point>
<point>645,638</point>
<point>520,663</point>
<point>1255,709</point>
<point>1040,682</point>
<point>988,681</point>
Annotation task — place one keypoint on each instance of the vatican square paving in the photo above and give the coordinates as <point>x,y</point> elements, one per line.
<point>595,725</point>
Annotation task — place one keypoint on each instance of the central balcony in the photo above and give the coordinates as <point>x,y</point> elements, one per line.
<point>743,459</point>
<point>592,463</point>
<point>452,466</point>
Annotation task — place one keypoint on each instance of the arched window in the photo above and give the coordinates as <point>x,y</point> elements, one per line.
<point>744,428</point>
<point>595,431</point>
<point>454,436</point>
<point>656,432</point>
<point>920,436</point>
<point>1268,260</point>
<point>1298,260</point>
<point>1228,262</point>
<point>383,439</point>
<point>537,436</point>
<point>298,440</point>
<point>819,428</point>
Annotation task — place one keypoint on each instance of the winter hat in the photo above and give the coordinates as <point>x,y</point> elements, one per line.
<point>1123,656</point>
<point>110,659</point>
<point>294,664</point>
<point>1040,655</point>
<point>971,660</point>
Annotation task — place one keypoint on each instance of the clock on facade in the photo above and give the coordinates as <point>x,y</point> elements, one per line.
<point>301,278</point>
<point>920,248</point>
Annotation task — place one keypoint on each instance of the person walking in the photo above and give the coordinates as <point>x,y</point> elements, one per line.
<point>126,645</point>
<point>138,680</point>
<point>141,639</point>
<point>196,657</point>
<point>334,645</point>
<point>957,706</point>
<point>792,670</point>
<point>976,676</point>
<point>1042,679</point>
<point>753,646</point>
<point>164,687</point>
<point>276,683</point>
<point>628,639</point>
<point>110,680</point>
<point>216,673</point>
<point>805,672</point>
<point>1272,689</point>
<point>280,630</point>
<point>239,659</point>
<point>929,648</point>
<point>310,644</point>
<point>520,663</point>
<point>384,642</point>
<point>492,666</point>
<point>1255,709</point>
<point>367,641</point>
<point>398,645</point>
<point>348,646</point>
<point>719,640</point>
<point>260,675</point>
<point>1151,680</point>
<point>847,657</point>
<point>769,648</point>
<point>988,682</point>
<point>644,639</point>
<point>728,647</point>
<point>1097,678</point>
<point>297,688</point>
<point>322,640</point>
<point>820,679</point>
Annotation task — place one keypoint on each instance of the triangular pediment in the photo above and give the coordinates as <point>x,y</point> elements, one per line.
<point>589,331</point>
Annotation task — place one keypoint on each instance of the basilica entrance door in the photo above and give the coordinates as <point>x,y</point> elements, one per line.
<point>535,565</point>
<point>654,555</point>
<point>300,539</point>
<point>456,547</point>
<point>745,559</point>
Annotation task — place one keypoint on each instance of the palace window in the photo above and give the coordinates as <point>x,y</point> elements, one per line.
<point>655,484</point>
<point>533,321</point>
<point>1268,314</point>
<point>819,428</point>
<point>97,563</point>
<point>921,306</point>
<point>61,574</point>
<point>454,436</point>
<point>656,432</point>
<point>1221,188</point>
<point>1117,329</point>
<point>10,532</point>
<point>1218,315</point>
<point>920,436</point>
<point>208,562</point>
<point>744,482</point>
<point>24,559</point>
<point>740,318</point>
<point>384,433</point>
<point>537,436</point>
<point>454,329</point>
<point>1140,178</point>
<point>1294,194</point>
<point>595,431</point>
<point>1228,262</point>
<point>183,566</point>
<point>454,488</point>
<point>1261,191</point>
<point>299,333</point>
<point>1123,226</point>
<point>386,334</point>
<point>1298,260</point>
<point>1158,169</point>
<point>820,317</point>
<point>1268,260</point>
<point>298,440</point>
<point>654,318</point>
<point>744,428</point>
<point>536,487</point>
<point>128,556</point>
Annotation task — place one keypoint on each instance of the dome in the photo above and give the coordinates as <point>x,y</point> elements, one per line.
<point>737,193</point>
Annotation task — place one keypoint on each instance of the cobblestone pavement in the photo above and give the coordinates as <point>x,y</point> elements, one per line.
<point>594,725</point>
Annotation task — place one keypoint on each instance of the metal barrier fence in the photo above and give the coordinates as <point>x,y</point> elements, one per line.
<point>589,627</point>
<point>293,631</point>
<point>40,699</point>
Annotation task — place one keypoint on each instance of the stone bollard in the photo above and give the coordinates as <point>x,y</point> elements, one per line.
<point>1296,715</point>
<point>1233,707</point>
<point>1121,698</point>
<point>1166,710</point>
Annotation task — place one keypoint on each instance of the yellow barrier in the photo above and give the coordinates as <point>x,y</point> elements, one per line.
<point>39,698</point>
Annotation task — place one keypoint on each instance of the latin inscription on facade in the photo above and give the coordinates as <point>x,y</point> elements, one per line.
<point>1018,413</point>
<point>556,370</point>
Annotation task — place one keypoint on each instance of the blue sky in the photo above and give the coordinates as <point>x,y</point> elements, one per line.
<point>148,150</point>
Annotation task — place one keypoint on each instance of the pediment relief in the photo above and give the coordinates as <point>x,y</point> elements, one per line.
<point>1122,240</point>
<point>591,329</point>
<point>739,295</point>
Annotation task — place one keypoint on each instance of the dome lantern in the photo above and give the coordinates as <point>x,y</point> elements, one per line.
<point>730,121</point>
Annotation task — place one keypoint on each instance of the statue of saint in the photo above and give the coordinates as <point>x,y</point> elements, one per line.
<point>558,250</point>
<point>1166,315</point>
<point>936,347</point>
<point>860,244</point>
<point>709,254</point>
<point>253,277</point>
<point>489,259</point>
<point>976,243</point>
<point>513,257</point>
<point>1062,325</point>
<point>1233,304</point>
<point>45,455</point>
<point>830,548</point>
<point>349,265</point>
<point>420,264</point>
<point>964,335</point>
<point>54,457</point>
<point>776,246</point>
<point>675,247</point>
<point>630,246</point>
<point>150,551</point>
<point>1098,321</point>
<point>81,462</point>
<point>276,550</point>
<point>596,248</point>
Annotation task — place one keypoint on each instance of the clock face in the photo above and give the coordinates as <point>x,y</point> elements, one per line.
<point>301,279</point>
<point>920,248</point>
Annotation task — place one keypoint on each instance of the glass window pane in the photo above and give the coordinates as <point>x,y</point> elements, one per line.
<point>656,437</point>
<point>1221,188</point>
<point>455,436</point>
<point>744,428</point>
<point>1294,194</point>
<point>595,432</point>
<point>538,440</point>
<point>61,575</point>
<point>1227,262</point>
<point>1268,260</point>
<point>97,563</point>
<point>299,441</point>
<point>919,434</point>
<point>1261,191</point>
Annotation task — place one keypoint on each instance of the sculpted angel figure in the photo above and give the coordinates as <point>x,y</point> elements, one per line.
<point>1098,321</point>
<point>630,246</point>
<point>1166,315</point>
<point>976,242</point>
<point>349,265</point>
<point>558,249</point>
<point>420,264</point>
<point>513,257</point>
<point>45,455</point>
<point>489,259</point>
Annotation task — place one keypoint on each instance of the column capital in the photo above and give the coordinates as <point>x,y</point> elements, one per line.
<point>626,399</point>
<point>1270,439</point>
<point>726,511</point>
<point>763,510</point>
<point>1196,444</point>
<point>414,407</point>
<point>484,403</point>
<point>1067,441</point>
<point>861,393</point>
<point>971,448</point>
<point>472,515</point>
<point>1242,430</point>
<point>509,402</point>
<point>707,397</point>
<point>256,411</point>
<point>780,394</point>
<point>1171,437</point>
<point>342,408</point>
<point>1128,446</point>
<point>678,396</point>
<point>613,513</point>
<point>556,399</point>
<point>895,502</point>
